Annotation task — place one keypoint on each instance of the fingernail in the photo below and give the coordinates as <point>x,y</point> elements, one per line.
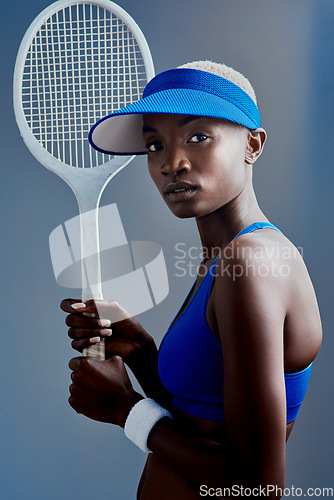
<point>106,332</point>
<point>94,340</point>
<point>78,305</point>
<point>89,315</point>
<point>104,322</point>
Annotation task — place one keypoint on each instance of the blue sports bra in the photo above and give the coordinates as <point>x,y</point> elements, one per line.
<point>190,361</point>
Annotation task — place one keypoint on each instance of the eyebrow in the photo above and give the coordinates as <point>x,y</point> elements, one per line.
<point>189,119</point>
<point>149,129</point>
<point>181,123</point>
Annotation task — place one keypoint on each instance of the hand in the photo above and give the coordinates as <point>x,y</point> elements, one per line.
<point>124,335</point>
<point>102,390</point>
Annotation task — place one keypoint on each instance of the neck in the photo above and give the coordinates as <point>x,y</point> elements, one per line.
<point>218,228</point>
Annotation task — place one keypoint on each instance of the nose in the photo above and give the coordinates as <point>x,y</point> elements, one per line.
<point>175,163</point>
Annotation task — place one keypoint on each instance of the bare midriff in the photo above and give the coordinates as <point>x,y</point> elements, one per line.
<point>160,481</point>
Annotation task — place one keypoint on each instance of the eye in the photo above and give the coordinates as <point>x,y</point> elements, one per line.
<point>153,146</point>
<point>198,138</point>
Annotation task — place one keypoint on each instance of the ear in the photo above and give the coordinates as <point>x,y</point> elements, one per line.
<point>255,142</point>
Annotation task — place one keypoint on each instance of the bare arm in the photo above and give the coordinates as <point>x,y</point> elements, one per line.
<point>250,315</point>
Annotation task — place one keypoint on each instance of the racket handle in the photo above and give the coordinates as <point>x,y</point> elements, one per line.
<point>96,351</point>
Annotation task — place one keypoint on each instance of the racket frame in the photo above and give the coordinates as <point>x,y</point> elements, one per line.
<point>87,183</point>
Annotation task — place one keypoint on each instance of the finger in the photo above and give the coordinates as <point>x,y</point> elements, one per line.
<point>87,306</point>
<point>74,404</point>
<point>80,408</point>
<point>80,333</point>
<point>66,305</point>
<point>75,363</point>
<point>117,361</point>
<point>80,396</point>
<point>78,321</point>
<point>112,310</point>
<point>76,379</point>
<point>80,345</point>
<point>109,309</point>
<point>86,333</point>
<point>106,332</point>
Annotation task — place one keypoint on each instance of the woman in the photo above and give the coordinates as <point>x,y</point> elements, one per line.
<point>225,389</point>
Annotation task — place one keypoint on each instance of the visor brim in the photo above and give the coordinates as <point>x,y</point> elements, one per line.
<point>120,133</point>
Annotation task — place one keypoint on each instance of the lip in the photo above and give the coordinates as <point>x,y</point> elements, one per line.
<point>180,190</point>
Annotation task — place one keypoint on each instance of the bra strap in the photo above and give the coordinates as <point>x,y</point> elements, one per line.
<point>255,226</point>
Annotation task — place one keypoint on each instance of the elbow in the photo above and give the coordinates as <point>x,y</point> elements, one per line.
<point>274,478</point>
<point>280,487</point>
<point>273,484</point>
<point>275,491</point>
<point>263,480</point>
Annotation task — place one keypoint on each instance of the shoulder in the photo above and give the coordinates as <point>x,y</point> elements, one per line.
<point>256,275</point>
<point>263,293</point>
<point>262,260</point>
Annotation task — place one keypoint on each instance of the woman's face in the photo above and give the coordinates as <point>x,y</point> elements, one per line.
<point>197,163</point>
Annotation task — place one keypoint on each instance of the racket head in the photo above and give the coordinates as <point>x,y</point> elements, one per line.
<point>78,61</point>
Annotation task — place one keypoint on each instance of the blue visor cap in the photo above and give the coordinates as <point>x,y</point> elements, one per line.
<point>180,91</point>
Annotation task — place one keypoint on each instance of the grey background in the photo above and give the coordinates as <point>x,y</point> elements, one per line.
<point>286,49</point>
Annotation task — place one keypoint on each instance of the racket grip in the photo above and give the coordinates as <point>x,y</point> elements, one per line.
<point>96,351</point>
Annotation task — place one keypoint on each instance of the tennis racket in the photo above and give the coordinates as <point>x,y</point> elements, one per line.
<point>79,61</point>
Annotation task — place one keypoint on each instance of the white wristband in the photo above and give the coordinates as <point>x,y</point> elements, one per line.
<point>141,420</point>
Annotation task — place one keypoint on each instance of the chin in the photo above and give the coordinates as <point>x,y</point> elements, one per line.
<point>189,212</point>
<point>183,212</point>
<point>184,216</point>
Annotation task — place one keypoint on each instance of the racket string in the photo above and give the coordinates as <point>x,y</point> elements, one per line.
<point>83,63</point>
